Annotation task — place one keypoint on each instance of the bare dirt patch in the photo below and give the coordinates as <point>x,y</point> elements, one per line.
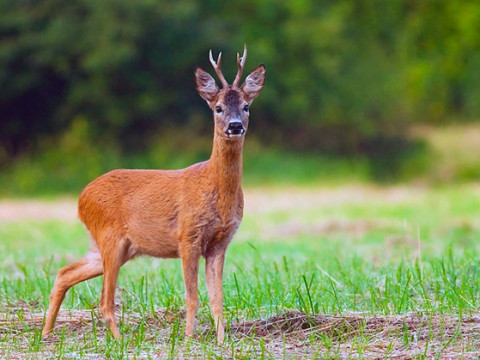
<point>256,201</point>
<point>291,334</point>
<point>399,336</point>
<point>284,199</point>
<point>292,229</point>
<point>20,210</point>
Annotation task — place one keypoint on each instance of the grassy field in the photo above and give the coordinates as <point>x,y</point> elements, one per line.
<point>351,272</point>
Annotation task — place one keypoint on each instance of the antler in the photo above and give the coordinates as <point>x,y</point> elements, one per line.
<point>218,70</point>
<point>241,64</point>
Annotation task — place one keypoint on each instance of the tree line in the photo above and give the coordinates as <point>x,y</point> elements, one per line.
<point>343,77</point>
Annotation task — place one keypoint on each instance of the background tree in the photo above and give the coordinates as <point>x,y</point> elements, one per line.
<point>344,77</point>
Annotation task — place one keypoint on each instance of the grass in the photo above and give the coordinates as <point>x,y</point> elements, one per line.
<point>439,155</point>
<point>353,272</point>
<point>54,172</point>
<point>55,168</point>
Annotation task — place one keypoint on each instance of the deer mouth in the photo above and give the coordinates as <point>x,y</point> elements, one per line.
<point>235,129</point>
<point>235,134</point>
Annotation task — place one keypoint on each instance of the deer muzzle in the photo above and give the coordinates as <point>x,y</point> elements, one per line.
<point>235,129</point>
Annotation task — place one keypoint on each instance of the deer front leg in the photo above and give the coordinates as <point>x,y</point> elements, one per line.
<point>190,259</point>
<point>113,259</point>
<point>214,277</point>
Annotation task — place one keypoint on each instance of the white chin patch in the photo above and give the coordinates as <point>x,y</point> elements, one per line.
<point>234,134</point>
<point>230,136</point>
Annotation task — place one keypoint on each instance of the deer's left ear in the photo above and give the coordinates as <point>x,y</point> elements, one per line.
<point>254,83</point>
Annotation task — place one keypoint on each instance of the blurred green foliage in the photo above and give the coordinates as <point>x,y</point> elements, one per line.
<point>66,165</point>
<point>92,81</point>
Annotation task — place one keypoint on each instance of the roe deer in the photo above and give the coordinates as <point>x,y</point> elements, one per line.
<point>184,213</point>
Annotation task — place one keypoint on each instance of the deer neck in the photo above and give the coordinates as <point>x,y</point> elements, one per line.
<point>226,165</point>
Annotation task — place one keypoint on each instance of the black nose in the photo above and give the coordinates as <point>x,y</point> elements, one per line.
<point>235,128</point>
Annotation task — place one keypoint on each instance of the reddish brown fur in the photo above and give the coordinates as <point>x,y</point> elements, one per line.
<point>184,213</point>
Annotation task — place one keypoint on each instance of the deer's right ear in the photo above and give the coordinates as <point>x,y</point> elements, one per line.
<point>206,86</point>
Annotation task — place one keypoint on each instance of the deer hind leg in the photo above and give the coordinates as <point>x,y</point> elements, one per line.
<point>87,268</point>
<point>190,259</point>
<point>113,259</point>
<point>214,276</point>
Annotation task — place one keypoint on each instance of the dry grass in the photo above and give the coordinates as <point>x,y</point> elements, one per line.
<point>292,334</point>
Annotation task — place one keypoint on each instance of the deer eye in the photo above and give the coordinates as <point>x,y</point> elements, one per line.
<point>218,110</point>
<point>245,108</point>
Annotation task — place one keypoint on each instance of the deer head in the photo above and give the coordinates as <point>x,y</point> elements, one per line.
<point>231,103</point>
